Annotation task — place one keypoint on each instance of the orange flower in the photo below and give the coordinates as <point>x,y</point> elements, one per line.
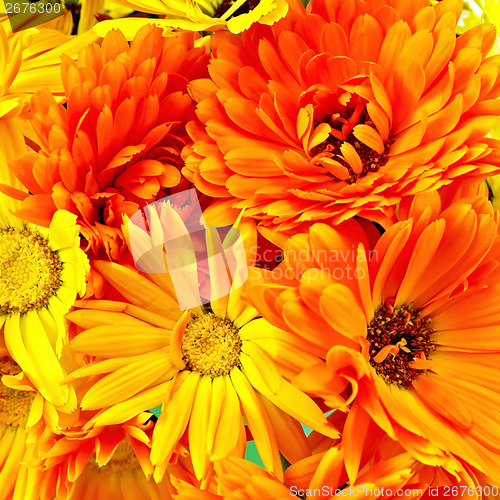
<point>387,471</point>
<point>107,462</point>
<point>342,111</point>
<point>410,337</point>
<point>116,143</point>
<point>236,479</point>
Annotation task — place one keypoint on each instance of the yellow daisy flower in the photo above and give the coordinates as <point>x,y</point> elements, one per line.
<point>41,272</point>
<point>14,409</point>
<point>210,366</point>
<point>201,15</point>
<point>26,421</point>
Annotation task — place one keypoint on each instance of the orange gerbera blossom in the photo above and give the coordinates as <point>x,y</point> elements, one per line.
<point>209,367</point>
<point>235,479</point>
<point>29,61</point>
<point>103,463</point>
<point>115,144</point>
<point>387,471</point>
<point>342,111</point>
<point>410,338</point>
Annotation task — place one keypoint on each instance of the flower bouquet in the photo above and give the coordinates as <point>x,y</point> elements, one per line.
<point>249,249</point>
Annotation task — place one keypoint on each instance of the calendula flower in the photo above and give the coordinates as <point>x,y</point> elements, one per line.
<point>29,61</point>
<point>41,272</point>
<point>387,471</point>
<point>342,111</point>
<point>15,406</point>
<point>116,143</point>
<point>202,15</point>
<point>106,462</point>
<point>236,478</point>
<point>410,337</point>
<point>209,367</point>
<point>26,420</point>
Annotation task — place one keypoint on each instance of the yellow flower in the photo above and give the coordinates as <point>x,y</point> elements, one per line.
<point>210,366</point>
<point>14,409</point>
<point>26,421</point>
<point>201,15</point>
<point>41,272</point>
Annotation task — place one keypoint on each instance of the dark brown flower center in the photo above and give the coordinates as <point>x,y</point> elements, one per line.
<point>398,336</point>
<point>226,4</point>
<point>343,132</point>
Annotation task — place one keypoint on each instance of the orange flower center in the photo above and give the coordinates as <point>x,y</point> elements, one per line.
<point>398,337</point>
<point>341,133</point>
<point>14,405</point>
<point>211,345</point>
<point>123,460</point>
<point>29,271</point>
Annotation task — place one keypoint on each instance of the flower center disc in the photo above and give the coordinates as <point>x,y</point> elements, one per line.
<point>211,345</point>
<point>398,336</point>
<point>123,460</point>
<point>223,6</point>
<point>349,111</point>
<point>29,271</point>
<point>14,405</point>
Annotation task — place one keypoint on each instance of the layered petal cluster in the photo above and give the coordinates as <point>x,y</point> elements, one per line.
<point>106,462</point>
<point>27,422</point>
<point>387,471</point>
<point>115,144</point>
<point>29,62</point>
<point>16,480</point>
<point>236,478</point>
<point>343,110</point>
<point>273,232</point>
<point>408,329</point>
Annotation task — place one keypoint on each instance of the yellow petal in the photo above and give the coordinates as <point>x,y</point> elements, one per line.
<point>198,427</point>
<point>173,421</point>
<point>258,422</point>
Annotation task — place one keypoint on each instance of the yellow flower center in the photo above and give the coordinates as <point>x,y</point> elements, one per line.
<point>211,345</point>
<point>123,460</point>
<point>398,336</point>
<point>14,405</point>
<point>29,271</point>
